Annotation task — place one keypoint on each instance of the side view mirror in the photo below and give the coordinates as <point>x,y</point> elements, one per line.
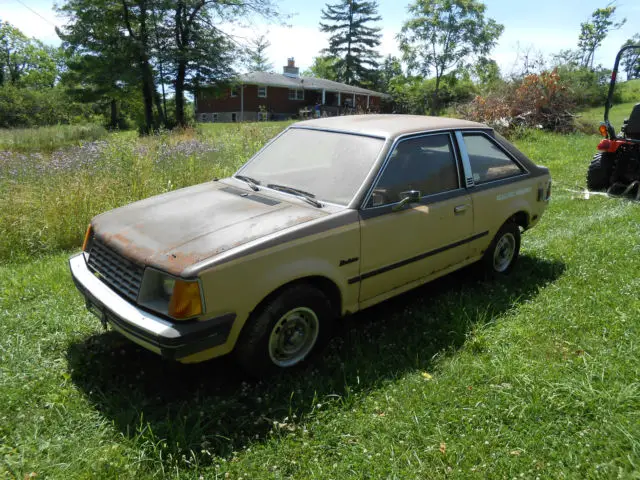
<point>410,196</point>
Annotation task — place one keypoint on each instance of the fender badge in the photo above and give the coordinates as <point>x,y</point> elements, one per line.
<point>348,261</point>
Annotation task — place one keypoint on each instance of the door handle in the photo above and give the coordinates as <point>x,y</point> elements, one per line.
<point>461,208</point>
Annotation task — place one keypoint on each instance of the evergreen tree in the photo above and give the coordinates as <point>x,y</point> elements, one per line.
<point>257,60</point>
<point>353,41</point>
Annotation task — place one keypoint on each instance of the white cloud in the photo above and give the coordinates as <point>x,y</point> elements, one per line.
<point>389,44</point>
<point>302,43</point>
<point>39,25</point>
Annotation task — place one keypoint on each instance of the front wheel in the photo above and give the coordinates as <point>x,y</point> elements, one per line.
<point>285,332</point>
<point>503,251</point>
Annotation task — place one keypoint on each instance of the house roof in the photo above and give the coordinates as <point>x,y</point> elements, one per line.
<point>306,83</point>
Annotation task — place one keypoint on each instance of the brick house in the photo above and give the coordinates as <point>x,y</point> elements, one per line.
<point>263,95</point>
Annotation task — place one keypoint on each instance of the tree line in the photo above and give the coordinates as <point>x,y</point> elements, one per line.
<point>147,56</point>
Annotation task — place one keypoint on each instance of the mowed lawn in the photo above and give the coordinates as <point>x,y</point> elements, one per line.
<point>533,376</point>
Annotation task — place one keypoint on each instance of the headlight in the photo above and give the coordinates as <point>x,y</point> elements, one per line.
<point>177,298</point>
<point>167,286</point>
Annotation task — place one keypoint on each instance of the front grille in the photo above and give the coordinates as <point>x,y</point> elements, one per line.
<point>124,276</point>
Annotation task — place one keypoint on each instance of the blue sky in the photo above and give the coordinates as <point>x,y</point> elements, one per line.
<point>542,25</point>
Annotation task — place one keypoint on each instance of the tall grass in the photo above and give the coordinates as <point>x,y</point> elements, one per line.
<point>48,198</point>
<point>630,91</point>
<point>49,138</point>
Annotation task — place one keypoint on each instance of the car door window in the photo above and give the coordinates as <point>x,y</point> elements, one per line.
<point>488,161</point>
<point>426,164</point>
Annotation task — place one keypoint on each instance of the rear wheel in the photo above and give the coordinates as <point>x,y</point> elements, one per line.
<point>599,173</point>
<point>286,331</point>
<point>503,251</point>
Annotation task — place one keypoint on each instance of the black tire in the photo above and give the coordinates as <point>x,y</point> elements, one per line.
<point>599,172</point>
<point>502,254</point>
<point>254,351</point>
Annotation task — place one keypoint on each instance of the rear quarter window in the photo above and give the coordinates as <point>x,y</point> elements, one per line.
<point>488,161</point>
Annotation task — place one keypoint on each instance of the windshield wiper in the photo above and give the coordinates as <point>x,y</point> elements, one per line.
<point>308,197</point>
<point>252,182</point>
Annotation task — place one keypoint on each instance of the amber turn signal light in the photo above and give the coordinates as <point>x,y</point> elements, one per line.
<point>185,301</point>
<point>603,130</point>
<point>87,237</point>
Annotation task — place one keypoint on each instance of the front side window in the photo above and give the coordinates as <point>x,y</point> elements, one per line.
<point>425,164</point>
<point>332,166</point>
<point>488,161</point>
<point>262,92</point>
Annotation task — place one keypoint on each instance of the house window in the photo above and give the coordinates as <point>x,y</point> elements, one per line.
<point>234,117</point>
<point>233,92</point>
<point>296,94</point>
<point>262,92</point>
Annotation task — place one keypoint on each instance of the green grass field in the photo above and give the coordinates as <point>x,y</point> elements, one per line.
<point>532,376</point>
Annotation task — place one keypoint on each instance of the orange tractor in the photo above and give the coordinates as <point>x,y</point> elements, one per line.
<point>616,166</point>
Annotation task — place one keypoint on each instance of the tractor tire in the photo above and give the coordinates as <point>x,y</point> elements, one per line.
<point>599,173</point>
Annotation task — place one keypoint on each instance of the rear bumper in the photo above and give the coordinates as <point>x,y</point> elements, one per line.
<point>170,339</point>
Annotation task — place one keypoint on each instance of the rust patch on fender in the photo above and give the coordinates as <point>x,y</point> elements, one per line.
<point>178,261</point>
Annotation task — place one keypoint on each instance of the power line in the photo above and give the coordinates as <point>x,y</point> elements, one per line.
<point>33,11</point>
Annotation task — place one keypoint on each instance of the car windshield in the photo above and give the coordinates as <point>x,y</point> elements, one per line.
<point>330,166</point>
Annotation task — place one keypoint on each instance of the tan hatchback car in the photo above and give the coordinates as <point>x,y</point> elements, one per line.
<point>332,216</point>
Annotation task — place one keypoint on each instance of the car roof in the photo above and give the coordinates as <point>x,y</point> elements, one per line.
<point>389,125</point>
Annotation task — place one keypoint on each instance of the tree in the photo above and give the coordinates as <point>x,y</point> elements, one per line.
<point>13,44</point>
<point>181,39</point>
<point>487,72</point>
<point>389,70</point>
<point>567,57</point>
<point>203,53</point>
<point>93,79</point>
<point>352,41</point>
<point>323,67</point>
<point>631,58</point>
<point>25,62</point>
<point>119,32</point>
<point>257,60</point>
<point>593,33</point>
<point>442,34</point>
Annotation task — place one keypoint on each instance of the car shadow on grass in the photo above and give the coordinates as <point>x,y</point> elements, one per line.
<point>212,409</point>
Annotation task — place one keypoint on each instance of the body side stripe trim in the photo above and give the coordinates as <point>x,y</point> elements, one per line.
<point>417,258</point>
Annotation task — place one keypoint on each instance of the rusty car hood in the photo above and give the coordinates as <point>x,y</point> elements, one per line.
<point>175,230</point>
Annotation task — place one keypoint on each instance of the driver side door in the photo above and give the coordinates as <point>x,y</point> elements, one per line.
<point>402,243</point>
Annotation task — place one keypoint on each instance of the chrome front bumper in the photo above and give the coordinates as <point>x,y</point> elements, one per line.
<point>169,339</point>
